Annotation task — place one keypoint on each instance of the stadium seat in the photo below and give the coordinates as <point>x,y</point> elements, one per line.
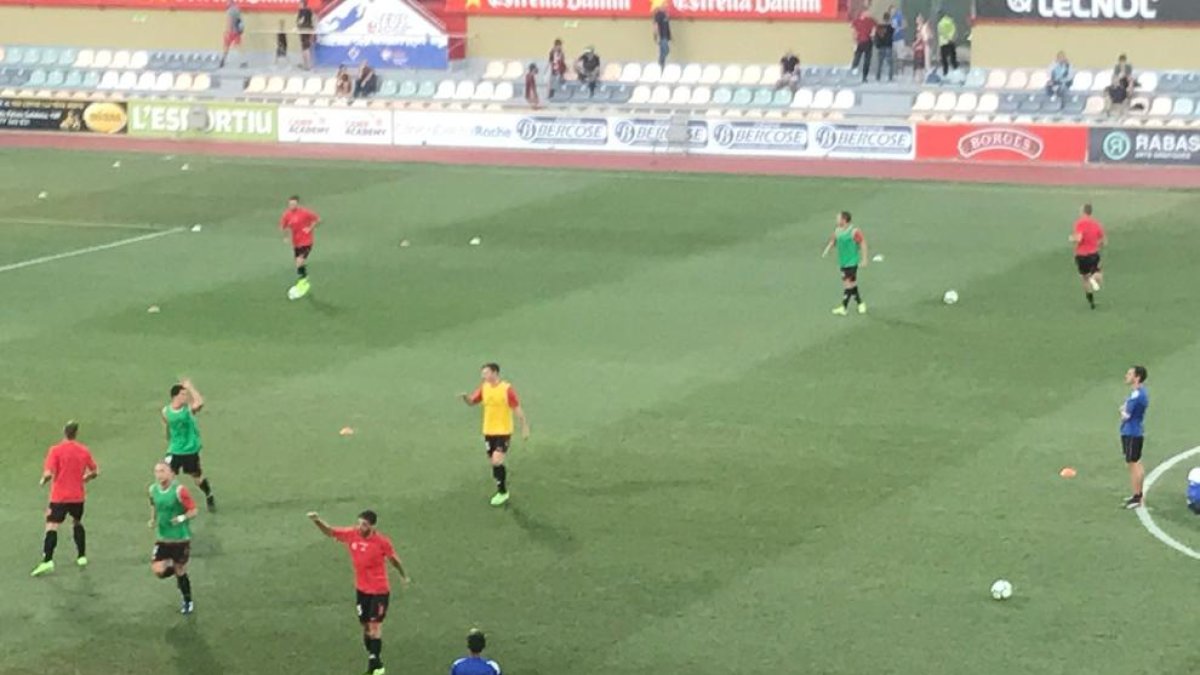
<point>1190,84</point>
<point>465,90</point>
<point>1038,80</point>
<point>641,94</point>
<point>751,76</point>
<point>681,95</point>
<point>275,85</point>
<point>671,74</point>
<point>711,74</point>
<point>513,70</point>
<point>1074,105</point>
<point>976,79</point>
<point>781,98</point>
<point>1161,106</point>
<point>742,97</point>
<point>328,88</point>
<point>612,73</point>
<point>701,95</point>
<point>110,80</point>
<point>651,74</point>
<point>312,86</point>
<point>426,89</point>
<point>494,70</point>
<point>844,100</point>
<point>139,59</point>
<point>37,78</point>
<point>731,75</point>
<point>1082,81</point>
<point>74,79</point>
<point>1102,80</point>
<point>691,74</point>
<point>165,81</point>
<point>1170,82</point>
<point>631,73</point>
<point>202,82</point>
<point>988,104</point>
<point>145,81</point>
<point>945,102</point>
<point>802,100</point>
<point>31,56</point>
<point>763,97</point>
<point>925,101</point>
<point>1030,104</point>
<point>967,102</point>
<point>84,58</point>
<point>294,86</point>
<point>445,90</point>
<point>484,91</point>
<point>91,79</point>
<point>120,59</point>
<point>103,58</point>
<point>256,84</point>
<point>660,95</point>
<point>822,99</point>
<point>408,89</point>
<point>996,78</point>
<point>1139,106</point>
<point>1184,107</point>
<point>722,96</point>
<point>1019,79</point>
<point>771,75</point>
<point>1147,82</point>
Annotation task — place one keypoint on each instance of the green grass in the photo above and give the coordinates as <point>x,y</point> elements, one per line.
<point>724,478</point>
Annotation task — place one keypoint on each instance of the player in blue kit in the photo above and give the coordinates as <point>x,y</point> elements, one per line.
<point>475,663</point>
<point>1133,432</point>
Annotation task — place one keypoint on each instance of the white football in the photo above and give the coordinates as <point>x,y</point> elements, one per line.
<point>950,297</point>
<point>1001,590</point>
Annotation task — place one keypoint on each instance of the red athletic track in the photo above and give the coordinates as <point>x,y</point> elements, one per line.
<point>1035,174</point>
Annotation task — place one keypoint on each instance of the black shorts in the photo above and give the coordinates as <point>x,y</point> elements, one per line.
<point>57,512</point>
<point>372,608</point>
<point>850,273</point>
<point>178,552</point>
<point>496,444</point>
<point>1131,447</point>
<point>189,464</point>
<point>306,40</point>
<point>1088,264</point>
<point>301,251</point>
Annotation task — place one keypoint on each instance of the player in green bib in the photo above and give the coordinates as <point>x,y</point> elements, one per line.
<point>183,437</point>
<point>852,254</point>
<point>171,511</point>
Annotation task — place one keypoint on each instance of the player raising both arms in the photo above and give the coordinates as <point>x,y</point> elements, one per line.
<point>500,403</point>
<point>171,510</point>
<point>183,436</point>
<point>852,254</point>
<point>369,551</point>
<point>69,465</point>
<point>1088,238</point>
<point>300,222</point>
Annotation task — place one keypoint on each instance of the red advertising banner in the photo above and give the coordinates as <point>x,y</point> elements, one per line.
<point>1003,143</point>
<point>774,10</point>
<point>201,5</point>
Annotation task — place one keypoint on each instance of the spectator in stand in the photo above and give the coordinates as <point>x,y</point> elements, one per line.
<point>304,26</point>
<point>531,95</point>
<point>1060,77</point>
<point>922,36</point>
<point>344,86</point>
<point>947,32</point>
<point>885,35</point>
<point>234,27</point>
<point>1122,85</point>
<point>898,26</point>
<point>474,663</point>
<point>587,69</point>
<point>557,67</point>
<point>863,29</point>
<point>367,82</point>
<point>662,33</point>
<point>789,72</point>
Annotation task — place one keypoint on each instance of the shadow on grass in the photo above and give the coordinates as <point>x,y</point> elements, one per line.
<point>193,656</point>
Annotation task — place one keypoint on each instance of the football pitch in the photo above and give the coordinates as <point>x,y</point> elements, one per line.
<point>723,477</point>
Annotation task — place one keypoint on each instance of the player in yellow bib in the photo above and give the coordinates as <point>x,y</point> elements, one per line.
<point>500,403</point>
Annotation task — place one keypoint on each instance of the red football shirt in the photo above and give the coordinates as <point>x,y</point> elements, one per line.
<point>864,27</point>
<point>1090,232</point>
<point>369,555</point>
<point>67,462</point>
<point>300,221</point>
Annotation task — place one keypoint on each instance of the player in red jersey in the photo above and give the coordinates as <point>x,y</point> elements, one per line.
<point>369,550</point>
<point>1088,238</point>
<point>69,465</point>
<point>300,222</point>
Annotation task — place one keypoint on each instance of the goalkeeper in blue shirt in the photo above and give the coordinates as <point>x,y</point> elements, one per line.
<point>475,663</point>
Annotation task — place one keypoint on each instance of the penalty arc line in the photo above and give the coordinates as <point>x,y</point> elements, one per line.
<point>90,249</point>
<point>1144,515</point>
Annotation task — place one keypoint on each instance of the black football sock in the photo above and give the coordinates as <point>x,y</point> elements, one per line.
<point>49,544</point>
<point>374,647</point>
<point>205,487</point>
<point>846,294</point>
<point>500,473</point>
<point>302,271</point>
<point>857,295</point>
<point>80,539</point>
<point>1091,297</point>
<point>185,587</point>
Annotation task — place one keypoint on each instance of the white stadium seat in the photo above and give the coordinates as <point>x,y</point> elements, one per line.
<point>1102,80</point>
<point>988,103</point>
<point>771,75</point>
<point>103,59</point>
<point>183,82</point>
<point>671,74</point>
<point>996,79</point>
<point>1184,107</point>
<point>513,70</point>
<point>84,58</point>
<point>631,73</point>
<point>732,74</point>
<point>751,75</point>
<point>660,95</point>
<point>445,90</point>
<point>967,102</point>
<point>294,86</point>
<point>641,94</point>
<point>925,101</point>
<point>274,85</point>
<point>494,70</point>
<point>844,100</point>
<point>701,95</point>
<point>1094,106</point>
<point>312,86</point>
<point>464,91</point>
<point>139,60</point>
<point>691,74</point>
<point>803,99</point>
<point>1018,80</point>
<point>504,92</point>
<point>146,80</point>
<point>945,102</point>
<point>120,59</point>
<point>256,85</point>
<point>128,81</point>
<point>1082,81</point>
<point>711,74</point>
<point>681,95</point>
<point>1140,105</point>
<point>201,82</point>
<point>612,73</point>
<point>1161,106</point>
<point>823,99</point>
<point>1147,81</point>
<point>1038,80</point>
<point>164,81</point>
<point>651,73</point>
<point>484,91</point>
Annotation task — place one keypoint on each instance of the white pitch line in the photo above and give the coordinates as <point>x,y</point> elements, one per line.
<point>1143,514</point>
<point>90,249</point>
<point>50,222</point>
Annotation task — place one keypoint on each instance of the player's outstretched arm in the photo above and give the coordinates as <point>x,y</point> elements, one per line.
<point>395,561</point>
<point>472,399</point>
<point>519,411</point>
<point>46,476</point>
<point>828,246</point>
<point>321,524</point>
<point>862,244</point>
<point>195,396</point>
<point>189,504</point>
